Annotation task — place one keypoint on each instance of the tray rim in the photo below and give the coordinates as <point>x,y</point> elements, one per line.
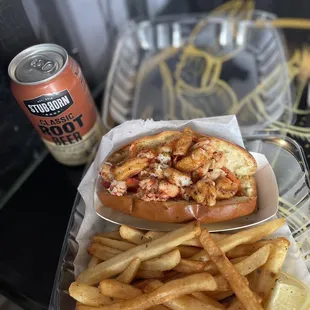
<point>64,249</point>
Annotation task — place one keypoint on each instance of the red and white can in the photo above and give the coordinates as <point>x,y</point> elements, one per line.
<point>49,86</point>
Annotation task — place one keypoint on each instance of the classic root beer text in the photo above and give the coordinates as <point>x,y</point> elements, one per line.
<point>63,130</point>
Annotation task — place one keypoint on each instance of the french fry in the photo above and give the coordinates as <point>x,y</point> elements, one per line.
<point>237,305</point>
<point>102,252</point>
<point>111,234</point>
<point>115,244</point>
<point>217,237</point>
<point>132,235</point>
<point>201,255</point>
<point>187,251</point>
<point>130,272</point>
<point>84,307</point>
<point>158,307</point>
<point>271,269</point>
<point>208,300</point>
<point>115,289</point>
<point>118,263</point>
<point>247,249</point>
<point>168,291</point>
<point>88,295</point>
<point>210,267</point>
<point>253,279</point>
<point>254,261</point>
<point>236,281</point>
<point>149,274</point>
<point>237,260</point>
<point>162,263</point>
<point>219,295</point>
<point>141,284</point>
<point>172,275</point>
<point>94,261</point>
<point>130,168</point>
<point>250,235</point>
<point>185,302</point>
<point>153,235</point>
<point>244,264</point>
<point>193,242</point>
<point>190,266</point>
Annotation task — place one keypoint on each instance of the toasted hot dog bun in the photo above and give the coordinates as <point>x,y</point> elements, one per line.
<point>181,211</point>
<point>239,161</point>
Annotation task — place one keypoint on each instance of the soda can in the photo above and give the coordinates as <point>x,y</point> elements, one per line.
<point>49,86</point>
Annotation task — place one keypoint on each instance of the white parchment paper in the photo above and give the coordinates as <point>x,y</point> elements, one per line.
<point>225,127</point>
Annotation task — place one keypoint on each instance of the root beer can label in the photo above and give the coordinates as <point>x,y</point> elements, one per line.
<point>50,105</point>
<point>50,88</point>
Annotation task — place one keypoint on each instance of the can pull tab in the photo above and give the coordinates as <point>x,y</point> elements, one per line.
<point>45,66</point>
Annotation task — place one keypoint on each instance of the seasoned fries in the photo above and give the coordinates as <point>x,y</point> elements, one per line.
<point>245,236</point>
<point>187,251</point>
<point>102,252</point>
<point>111,234</point>
<point>115,244</point>
<point>132,235</point>
<point>271,269</point>
<point>164,262</point>
<point>185,302</point>
<point>94,261</point>
<point>88,295</point>
<point>149,274</point>
<point>208,300</point>
<point>130,272</point>
<point>116,289</point>
<point>247,249</point>
<point>159,270</point>
<point>236,281</point>
<point>118,263</point>
<point>190,266</point>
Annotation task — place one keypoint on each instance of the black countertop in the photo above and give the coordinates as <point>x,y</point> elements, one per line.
<point>36,198</point>
<point>33,224</point>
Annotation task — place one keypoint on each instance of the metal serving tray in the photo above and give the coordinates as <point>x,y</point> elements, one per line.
<point>290,167</point>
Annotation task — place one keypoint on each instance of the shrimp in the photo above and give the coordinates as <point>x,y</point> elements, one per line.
<point>201,171</point>
<point>204,192</point>
<point>228,186</point>
<point>164,158</point>
<point>132,183</point>
<point>147,154</point>
<point>157,170</point>
<point>148,184</point>
<point>182,145</point>
<point>167,190</point>
<point>193,161</point>
<point>147,189</point>
<point>166,148</point>
<point>218,160</point>
<point>176,177</point>
<point>203,143</point>
<point>152,190</point>
<point>185,193</point>
<point>215,174</point>
<point>118,188</point>
<point>106,172</point>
